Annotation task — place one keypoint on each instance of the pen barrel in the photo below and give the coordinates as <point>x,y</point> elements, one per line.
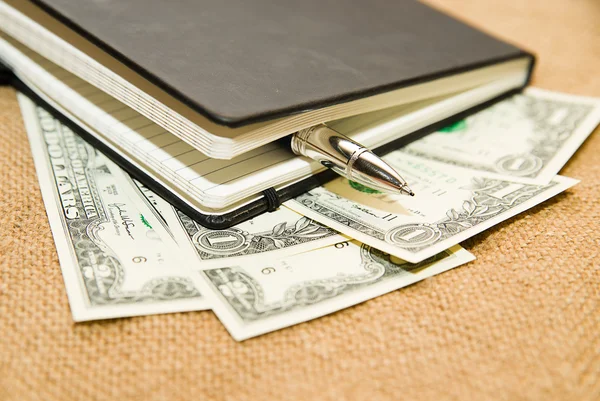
<point>347,158</point>
<point>330,148</point>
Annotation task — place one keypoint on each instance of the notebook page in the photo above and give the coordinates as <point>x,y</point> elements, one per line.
<point>212,182</point>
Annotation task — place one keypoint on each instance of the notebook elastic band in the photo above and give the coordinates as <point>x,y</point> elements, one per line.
<point>273,201</point>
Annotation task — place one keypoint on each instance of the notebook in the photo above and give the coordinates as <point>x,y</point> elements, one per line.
<point>191,97</point>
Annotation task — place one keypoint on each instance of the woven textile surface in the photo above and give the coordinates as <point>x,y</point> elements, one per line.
<point>519,323</point>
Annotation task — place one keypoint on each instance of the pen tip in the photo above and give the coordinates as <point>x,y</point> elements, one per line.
<point>407,191</point>
<point>404,190</point>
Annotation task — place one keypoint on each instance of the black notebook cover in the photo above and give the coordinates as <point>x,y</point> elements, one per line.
<point>243,61</point>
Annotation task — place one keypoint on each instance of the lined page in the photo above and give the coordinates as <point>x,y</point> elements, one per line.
<point>213,182</point>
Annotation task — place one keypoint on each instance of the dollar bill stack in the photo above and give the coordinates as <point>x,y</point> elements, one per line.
<point>124,251</point>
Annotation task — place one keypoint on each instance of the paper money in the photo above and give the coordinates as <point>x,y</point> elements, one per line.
<point>267,295</point>
<point>526,138</point>
<point>271,235</point>
<point>113,252</point>
<point>450,206</point>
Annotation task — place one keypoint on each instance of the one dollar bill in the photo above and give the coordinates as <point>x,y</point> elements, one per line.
<point>526,138</point>
<point>116,258</point>
<point>268,295</point>
<point>450,206</point>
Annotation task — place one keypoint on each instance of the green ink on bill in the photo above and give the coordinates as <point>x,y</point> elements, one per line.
<point>362,188</point>
<point>457,126</point>
<point>144,221</point>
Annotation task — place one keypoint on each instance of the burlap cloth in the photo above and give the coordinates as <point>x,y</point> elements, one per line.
<point>521,322</point>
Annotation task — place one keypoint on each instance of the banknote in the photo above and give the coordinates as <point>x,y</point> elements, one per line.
<point>113,253</point>
<point>526,138</point>
<point>270,235</point>
<point>267,295</point>
<point>450,206</point>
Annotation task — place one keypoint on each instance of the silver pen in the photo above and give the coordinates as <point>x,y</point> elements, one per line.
<point>348,158</point>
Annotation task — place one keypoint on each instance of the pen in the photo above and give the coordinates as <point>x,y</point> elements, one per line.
<point>348,158</point>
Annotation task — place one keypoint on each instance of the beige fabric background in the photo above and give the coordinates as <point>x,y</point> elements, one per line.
<point>521,322</point>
